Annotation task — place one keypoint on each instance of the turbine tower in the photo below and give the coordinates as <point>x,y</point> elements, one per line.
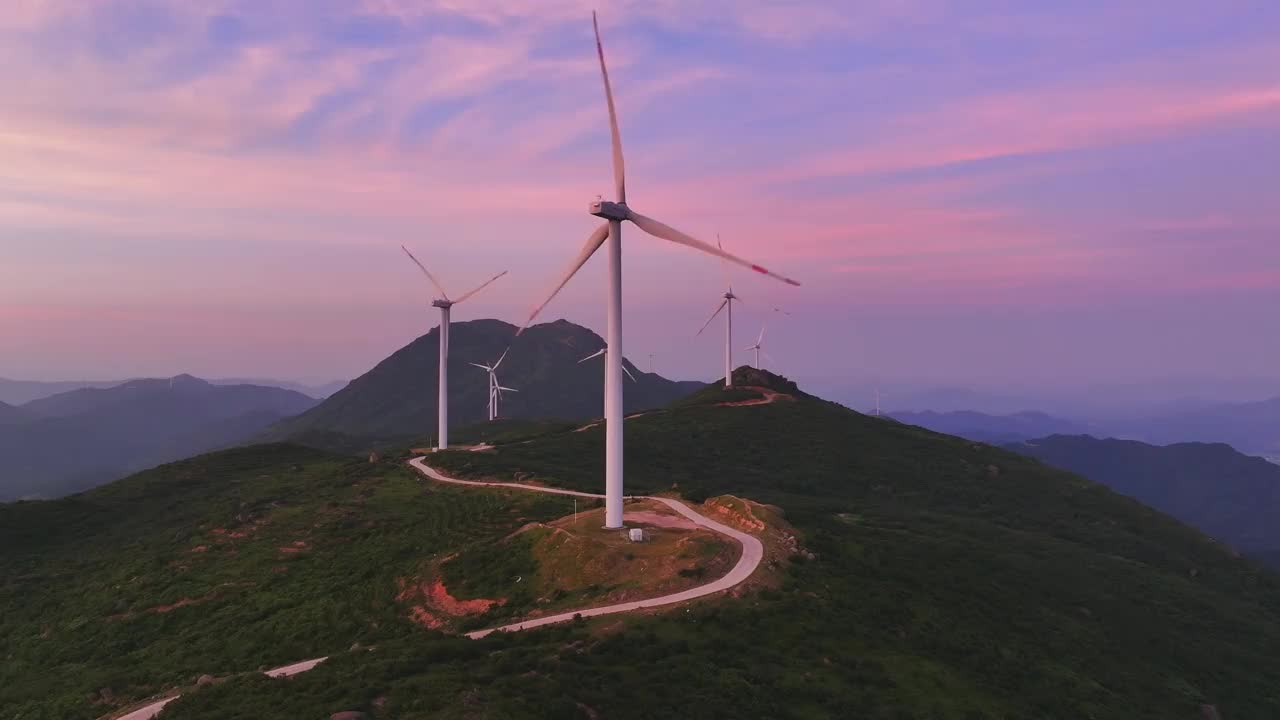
<point>445,304</point>
<point>727,306</point>
<point>495,388</point>
<point>614,213</point>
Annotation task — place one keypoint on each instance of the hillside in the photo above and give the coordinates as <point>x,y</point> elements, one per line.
<point>397,398</point>
<point>10,415</point>
<point>995,429</point>
<point>934,578</point>
<point>1228,495</point>
<point>82,438</point>
<point>17,392</point>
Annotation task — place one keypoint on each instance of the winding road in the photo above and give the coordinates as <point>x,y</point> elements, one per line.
<point>752,554</point>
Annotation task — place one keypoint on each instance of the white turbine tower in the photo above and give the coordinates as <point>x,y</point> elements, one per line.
<point>495,388</point>
<point>615,213</point>
<point>727,306</point>
<point>444,303</point>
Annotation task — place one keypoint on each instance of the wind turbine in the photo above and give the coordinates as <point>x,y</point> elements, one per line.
<point>877,402</point>
<point>495,389</point>
<point>759,346</point>
<point>727,306</point>
<point>605,351</point>
<point>614,213</point>
<point>444,303</point>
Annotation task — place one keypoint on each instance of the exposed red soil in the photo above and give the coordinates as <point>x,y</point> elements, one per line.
<point>200,548</point>
<point>434,604</point>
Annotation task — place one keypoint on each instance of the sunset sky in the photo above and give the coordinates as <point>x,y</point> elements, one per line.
<point>971,192</point>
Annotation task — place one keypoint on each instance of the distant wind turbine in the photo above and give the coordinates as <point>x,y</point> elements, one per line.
<point>877,402</point>
<point>758,348</point>
<point>495,388</point>
<point>444,303</point>
<point>727,306</point>
<point>615,213</point>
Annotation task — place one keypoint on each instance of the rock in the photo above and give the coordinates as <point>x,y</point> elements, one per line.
<point>356,646</point>
<point>349,715</point>
<point>204,680</point>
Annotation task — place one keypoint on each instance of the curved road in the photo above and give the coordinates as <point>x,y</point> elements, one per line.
<point>752,554</point>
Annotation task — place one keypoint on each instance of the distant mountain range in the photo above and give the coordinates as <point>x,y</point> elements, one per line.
<point>397,398</point>
<point>18,392</point>
<point>1230,496</point>
<point>1253,427</point>
<point>994,429</point>
<point>78,439</point>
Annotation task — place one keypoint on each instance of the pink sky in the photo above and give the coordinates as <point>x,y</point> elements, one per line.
<point>220,188</point>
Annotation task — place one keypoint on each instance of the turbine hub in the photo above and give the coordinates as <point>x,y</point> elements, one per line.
<point>608,210</point>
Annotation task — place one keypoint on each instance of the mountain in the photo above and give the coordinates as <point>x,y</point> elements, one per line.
<point>1230,496</point>
<point>10,415</point>
<point>318,391</point>
<point>84,437</point>
<point>17,392</point>
<point>920,576</point>
<point>1252,427</point>
<point>995,429</point>
<point>397,398</point>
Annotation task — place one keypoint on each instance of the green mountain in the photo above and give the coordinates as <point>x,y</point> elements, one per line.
<point>933,577</point>
<point>82,438</point>
<point>1228,495</point>
<point>397,398</point>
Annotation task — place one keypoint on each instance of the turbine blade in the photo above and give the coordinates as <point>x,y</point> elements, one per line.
<point>483,286</point>
<point>507,389</point>
<point>595,354</point>
<point>767,356</point>
<point>724,266</point>
<point>501,358</point>
<point>486,368</point>
<point>628,372</point>
<point>427,272</point>
<point>594,241</point>
<point>619,173</point>
<point>670,234</point>
<point>760,340</point>
<point>713,317</point>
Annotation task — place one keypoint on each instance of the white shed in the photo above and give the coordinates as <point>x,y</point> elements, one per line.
<point>637,535</point>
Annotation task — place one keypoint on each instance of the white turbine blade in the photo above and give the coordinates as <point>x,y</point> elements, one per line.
<point>594,241</point>
<point>486,368</point>
<point>595,354</point>
<point>628,372</point>
<point>619,172</point>
<point>427,272</point>
<point>501,358</point>
<point>767,356</point>
<point>724,265</point>
<point>670,234</point>
<point>483,286</point>
<point>749,348</point>
<point>713,316</point>
<point>507,389</point>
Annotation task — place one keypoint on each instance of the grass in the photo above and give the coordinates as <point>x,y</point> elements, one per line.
<point>948,580</point>
<point>951,580</point>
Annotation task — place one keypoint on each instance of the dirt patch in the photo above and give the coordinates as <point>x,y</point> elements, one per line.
<point>433,606</point>
<point>297,547</point>
<point>649,517</point>
<point>734,512</point>
<point>199,548</point>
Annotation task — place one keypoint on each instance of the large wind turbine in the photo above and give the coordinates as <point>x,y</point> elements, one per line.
<point>727,306</point>
<point>444,303</point>
<point>614,214</point>
<point>495,388</point>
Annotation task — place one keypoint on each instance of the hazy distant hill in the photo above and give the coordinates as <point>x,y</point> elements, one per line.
<point>17,392</point>
<point>84,437</point>
<point>397,398</point>
<point>1252,427</point>
<point>995,429</point>
<point>1228,495</point>
<point>318,391</point>
<point>10,415</point>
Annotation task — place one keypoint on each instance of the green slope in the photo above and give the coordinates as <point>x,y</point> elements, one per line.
<point>951,580</point>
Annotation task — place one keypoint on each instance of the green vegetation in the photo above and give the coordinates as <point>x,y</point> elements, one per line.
<point>949,580</point>
<point>233,561</point>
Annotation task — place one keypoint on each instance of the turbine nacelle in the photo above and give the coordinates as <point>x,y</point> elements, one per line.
<point>609,210</point>
<point>442,303</point>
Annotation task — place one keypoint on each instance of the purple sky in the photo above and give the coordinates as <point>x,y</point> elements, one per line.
<point>997,192</point>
